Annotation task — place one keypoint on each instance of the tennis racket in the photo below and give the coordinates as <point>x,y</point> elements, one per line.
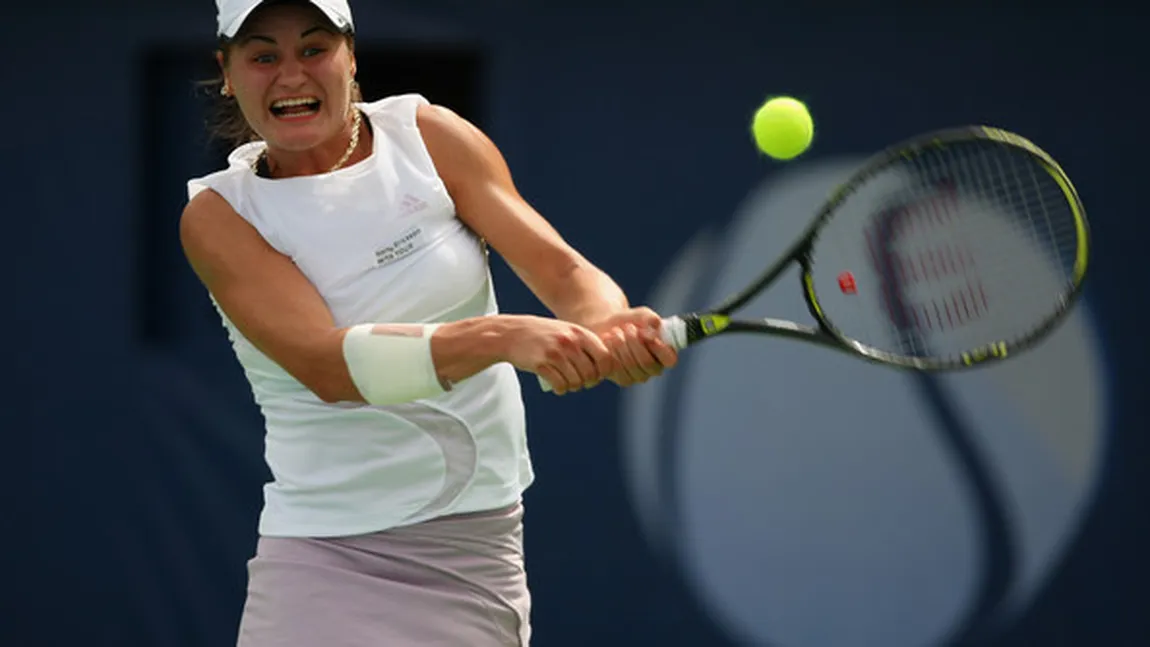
<point>947,251</point>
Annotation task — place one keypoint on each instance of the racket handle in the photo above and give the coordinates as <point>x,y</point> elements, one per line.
<point>673,332</point>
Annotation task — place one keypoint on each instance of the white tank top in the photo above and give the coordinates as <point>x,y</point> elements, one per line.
<point>381,242</point>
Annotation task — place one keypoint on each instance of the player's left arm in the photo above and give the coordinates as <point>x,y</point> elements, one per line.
<point>569,285</point>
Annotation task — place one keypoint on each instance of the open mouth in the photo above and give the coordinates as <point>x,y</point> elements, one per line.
<point>295,108</point>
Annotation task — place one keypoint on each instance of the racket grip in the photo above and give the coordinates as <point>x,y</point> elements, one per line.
<point>673,333</point>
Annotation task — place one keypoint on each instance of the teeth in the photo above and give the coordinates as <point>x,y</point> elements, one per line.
<point>289,103</point>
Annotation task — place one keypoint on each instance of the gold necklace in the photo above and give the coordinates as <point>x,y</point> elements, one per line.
<point>356,126</point>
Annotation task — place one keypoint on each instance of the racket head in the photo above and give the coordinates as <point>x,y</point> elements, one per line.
<point>952,250</point>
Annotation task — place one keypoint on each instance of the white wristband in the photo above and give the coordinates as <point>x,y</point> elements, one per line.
<point>391,363</point>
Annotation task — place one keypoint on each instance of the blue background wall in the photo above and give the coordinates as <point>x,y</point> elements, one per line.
<point>131,459</point>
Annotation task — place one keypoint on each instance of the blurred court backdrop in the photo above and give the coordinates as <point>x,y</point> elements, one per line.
<point>807,502</point>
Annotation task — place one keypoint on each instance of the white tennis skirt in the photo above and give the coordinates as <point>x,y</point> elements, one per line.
<point>453,581</point>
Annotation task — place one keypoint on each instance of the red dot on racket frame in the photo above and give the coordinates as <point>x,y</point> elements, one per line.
<point>847,283</point>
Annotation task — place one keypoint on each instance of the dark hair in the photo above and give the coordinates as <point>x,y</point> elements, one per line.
<point>225,120</point>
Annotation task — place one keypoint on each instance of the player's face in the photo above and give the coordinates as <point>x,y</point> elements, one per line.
<point>291,73</point>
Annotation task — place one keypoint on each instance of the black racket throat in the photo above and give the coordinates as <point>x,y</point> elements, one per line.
<point>798,253</point>
<point>698,325</point>
<point>722,319</point>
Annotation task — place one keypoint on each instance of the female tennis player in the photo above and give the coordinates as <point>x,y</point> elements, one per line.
<point>345,247</point>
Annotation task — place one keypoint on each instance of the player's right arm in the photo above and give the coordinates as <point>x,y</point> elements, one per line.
<point>279,311</point>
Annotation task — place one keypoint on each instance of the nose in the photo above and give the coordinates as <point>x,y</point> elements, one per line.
<point>292,73</point>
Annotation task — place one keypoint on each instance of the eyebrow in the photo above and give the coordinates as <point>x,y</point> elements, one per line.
<point>268,39</point>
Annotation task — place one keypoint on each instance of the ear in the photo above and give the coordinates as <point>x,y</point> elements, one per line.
<point>226,88</point>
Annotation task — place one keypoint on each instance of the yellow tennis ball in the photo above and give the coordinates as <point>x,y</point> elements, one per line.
<point>783,128</point>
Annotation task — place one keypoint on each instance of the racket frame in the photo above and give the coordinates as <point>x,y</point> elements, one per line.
<point>690,328</point>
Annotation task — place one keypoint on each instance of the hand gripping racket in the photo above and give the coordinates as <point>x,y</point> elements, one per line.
<point>947,251</point>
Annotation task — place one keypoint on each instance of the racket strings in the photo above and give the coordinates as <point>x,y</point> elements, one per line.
<point>948,251</point>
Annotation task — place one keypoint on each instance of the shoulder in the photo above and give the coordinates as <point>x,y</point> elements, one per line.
<point>455,144</point>
<point>214,195</point>
<point>433,121</point>
<point>206,201</point>
<point>229,180</point>
<point>214,210</point>
<point>216,239</point>
<point>443,123</point>
<point>395,111</point>
<point>218,182</point>
<point>464,156</point>
<point>205,213</point>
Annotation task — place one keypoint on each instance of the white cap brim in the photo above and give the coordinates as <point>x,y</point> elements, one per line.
<point>233,13</point>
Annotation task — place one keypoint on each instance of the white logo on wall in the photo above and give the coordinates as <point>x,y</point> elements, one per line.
<point>811,499</point>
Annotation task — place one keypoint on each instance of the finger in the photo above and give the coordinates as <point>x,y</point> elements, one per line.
<point>622,375</point>
<point>576,347</point>
<point>616,343</point>
<point>646,360</point>
<point>559,357</point>
<point>632,361</point>
<point>601,354</point>
<point>648,318</point>
<point>590,355</point>
<point>592,376</point>
<point>621,378</point>
<point>666,355</point>
<point>661,352</point>
<point>572,374</point>
<point>580,358</point>
<point>553,377</point>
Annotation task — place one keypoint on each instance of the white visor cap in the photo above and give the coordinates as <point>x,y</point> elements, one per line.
<point>231,14</point>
